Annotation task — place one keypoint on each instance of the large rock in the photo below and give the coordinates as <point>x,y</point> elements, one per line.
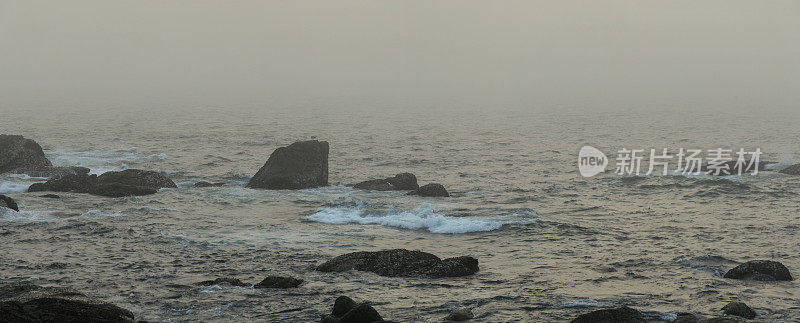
<point>739,309</point>
<point>612,315</point>
<point>345,310</point>
<point>400,182</point>
<point>431,190</point>
<point>402,262</point>
<point>763,270</point>
<point>112,184</point>
<point>279,282</point>
<point>18,152</point>
<point>303,164</point>
<point>32,303</point>
<point>9,203</point>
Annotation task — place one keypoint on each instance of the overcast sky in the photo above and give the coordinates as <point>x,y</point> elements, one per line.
<point>636,53</point>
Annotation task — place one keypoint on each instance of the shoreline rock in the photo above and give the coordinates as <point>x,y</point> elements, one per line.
<point>279,282</point>
<point>761,270</point>
<point>130,182</point>
<point>431,190</point>
<point>739,309</point>
<point>402,263</point>
<point>346,310</point>
<point>400,182</point>
<point>26,302</point>
<point>303,164</point>
<point>19,152</point>
<point>622,314</point>
<point>8,203</point>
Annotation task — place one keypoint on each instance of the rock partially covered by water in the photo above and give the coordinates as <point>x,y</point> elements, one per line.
<point>346,310</point>
<point>112,184</point>
<point>402,262</point>
<point>612,315</point>
<point>224,281</point>
<point>303,164</point>
<point>50,171</point>
<point>32,303</point>
<point>763,270</point>
<point>208,184</point>
<point>791,170</point>
<point>432,190</point>
<point>279,282</point>
<point>459,315</point>
<point>18,152</point>
<point>9,203</point>
<point>739,309</point>
<point>400,182</point>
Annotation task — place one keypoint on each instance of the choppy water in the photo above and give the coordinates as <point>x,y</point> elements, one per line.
<point>551,244</point>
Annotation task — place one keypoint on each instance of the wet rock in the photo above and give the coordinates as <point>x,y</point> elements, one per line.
<point>27,302</point>
<point>762,270</point>
<point>400,182</point>
<point>739,309</point>
<point>342,305</point>
<point>722,319</point>
<point>112,184</point>
<point>463,314</point>
<point>791,170</point>
<point>50,171</point>
<point>345,310</point>
<point>279,282</point>
<point>402,262</point>
<point>9,203</point>
<point>687,318</point>
<point>612,315</point>
<point>50,196</point>
<point>208,184</point>
<point>18,152</point>
<point>303,164</point>
<point>224,281</point>
<point>431,190</point>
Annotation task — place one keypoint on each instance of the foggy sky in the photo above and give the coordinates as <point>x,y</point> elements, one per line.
<point>604,53</point>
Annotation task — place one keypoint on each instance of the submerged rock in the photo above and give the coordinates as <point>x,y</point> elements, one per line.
<point>739,309</point>
<point>50,171</point>
<point>50,196</point>
<point>9,203</point>
<point>432,190</point>
<point>791,170</point>
<point>303,164</point>
<point>402,262</point>
<point>26,302</point>
<point>462,314</point>
<point>18,152</point>
<point>112,184</point>
<point>207,184</point>
<point>224,280</point>
<point>279,282</point>
<point>612,315</point>
<point>345,310</point>
<point>400,182</point>
<point>763,270</point>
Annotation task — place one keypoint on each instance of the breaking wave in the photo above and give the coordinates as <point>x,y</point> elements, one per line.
<point>101,160</point>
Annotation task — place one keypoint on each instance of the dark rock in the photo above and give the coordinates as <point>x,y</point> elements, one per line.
<point>7,202</point>
<point>432,190</point>
<point>32,303</point>
<point>401,262</point>
<point>224,280</point>
<point>612,315</point>
<point>687,318</point>
<point>463,314</point>
<point>50,196</point>
<point>361,314</point>
<point>739,309</point>
<point>400,182</point>
<point>18,152</point>
<point>207,184</point>
<point>763,270</point>
<point>279,282</point>
<point>723,319</point>
<point>791,170</point>
<point>303,164</point>
<point>342,305</point>
<point>50,171</point>
<point>112,184</point>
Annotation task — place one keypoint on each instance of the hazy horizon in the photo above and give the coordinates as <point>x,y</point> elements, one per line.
<point>712,54</point>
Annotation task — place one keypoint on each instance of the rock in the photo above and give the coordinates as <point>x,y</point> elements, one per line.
<point>112,184</point>
<point>401,263</point>
<point>18,152</point>
<point>400,182</point>
<point>279,282</point>
<point>687,318</point>
<point>462,314</point>
<point>26,302</point>
<point>342,305</point>
<point>612,315</point>
<point>50,196</point>
<point>722,319</point>
<point>763,270</point>
<point>432,190</point>
<point>50,171</point>
<point>791,170</point>
<point>9,203</point>
<point>345,310</point>
<point>303,164</point>
<point>739,309</point>
<point>207,184</point>
<point>224,280</point>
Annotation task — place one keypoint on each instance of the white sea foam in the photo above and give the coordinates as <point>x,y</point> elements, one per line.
<point>23,216</point>
<point>582,303</point>
<point>8,187</point>
<point>100,160</point>
<point>100,214</point>
<point>423,217</point>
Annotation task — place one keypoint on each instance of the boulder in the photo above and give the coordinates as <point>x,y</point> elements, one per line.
<point>279,282</point>
<point>402,263</point>
<point>791,170</point>
<point>739,309</point>
<point>432,190</point>
<point>17,152</point>
<point>459,315</point>
<point>763,270</point>
<point>400,182</point>
<point>207,184</point>
<point>112,184</point>
<point>345,310</point>
<point>612,315</point>
<point>224,281</point>
<point>9,203</point>
<point>27,302</point>
<point>303,164</point>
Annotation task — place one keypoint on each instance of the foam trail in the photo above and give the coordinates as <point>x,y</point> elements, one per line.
<point>100,160</point>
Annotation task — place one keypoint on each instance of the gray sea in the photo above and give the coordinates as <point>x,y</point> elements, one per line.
<point>551,244</point>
